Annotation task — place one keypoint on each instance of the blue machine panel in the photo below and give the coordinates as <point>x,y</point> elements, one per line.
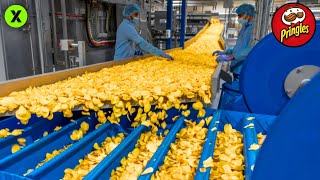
<point>266,68</point>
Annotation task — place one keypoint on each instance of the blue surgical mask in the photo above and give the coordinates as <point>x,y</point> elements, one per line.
<point>243,21</point>
<point>135,20</point>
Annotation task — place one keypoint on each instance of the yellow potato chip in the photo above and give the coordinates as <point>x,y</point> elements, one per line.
<point>175,118</point>
<point>22,141</point>
<point>84,126</point>
<point>15,148</point>
<point>254,147</point>
<point>203,169</point>
<point>208,162</point>
<point>186,113</point>
<point>208,120</point>
<point>45,134</point>
<point>147,171</point>
<point>163,125</point>
<point>16,132</point>
<point>57,128</point>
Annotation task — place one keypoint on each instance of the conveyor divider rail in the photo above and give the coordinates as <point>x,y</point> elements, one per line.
<point>25,159</point>
<point>32,132</point>
<point>208,147</point>
<point>16,165</point>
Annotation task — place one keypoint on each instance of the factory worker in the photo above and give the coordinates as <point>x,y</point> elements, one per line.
<point>128,40</point>
<point>244,44</point>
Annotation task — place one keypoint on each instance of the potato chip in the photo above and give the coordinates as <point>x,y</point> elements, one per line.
<point>147,171</point>
<point>186,113</point>
<point>163,125</point>
<point>250,118</point>
<point>16,132</point>
<point>45,134</point>
<point>22,141</point>
<point>84,126</point>
<point>203,169</point>
<point>252,167</point>
<point>208,120</point>
<point>208,162</point>
<point>57,128</point>
<point>254,147</point>
<point>4,133</point>
<point>15,148</point>
<point>261,138</point>
<point>249,125</point>
<point>28,172</point>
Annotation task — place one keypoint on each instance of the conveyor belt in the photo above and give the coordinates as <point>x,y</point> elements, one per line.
<point>27,158</point>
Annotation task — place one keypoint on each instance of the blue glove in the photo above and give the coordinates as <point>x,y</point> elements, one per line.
<point>138,53</point>
<point>223,58</point>
<point>218,52</point>
<point>164,55</point>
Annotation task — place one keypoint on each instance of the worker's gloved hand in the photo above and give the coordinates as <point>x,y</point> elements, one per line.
<point>218,52</point>
<point>138,53</point>
<point>223,58</point>
<point>164,55</point>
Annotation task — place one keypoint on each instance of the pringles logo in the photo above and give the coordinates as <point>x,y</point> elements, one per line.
<point>293,24</point>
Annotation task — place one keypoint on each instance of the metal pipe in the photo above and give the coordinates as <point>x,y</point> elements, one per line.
<point>4,75</point>
<point>40,37</point>
<point>169,25</point>
<point>54,26</point>
<point>32,51</point>
<point>183,22</point>
<point>64,29</point>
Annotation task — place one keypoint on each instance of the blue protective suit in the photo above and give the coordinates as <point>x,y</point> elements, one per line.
<point>242,48</point>
<point>127,40</point>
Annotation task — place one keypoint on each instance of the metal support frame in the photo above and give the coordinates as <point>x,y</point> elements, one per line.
<point>55,38</point>
<point>169,24</point>
<point>40,35</point>
<point>262,19</point>
<point>64,29</point>
<point>183,22</point>
<point>3,64</point>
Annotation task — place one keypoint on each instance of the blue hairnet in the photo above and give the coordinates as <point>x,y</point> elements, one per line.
<point>246,9</point>
<point>130,9</point>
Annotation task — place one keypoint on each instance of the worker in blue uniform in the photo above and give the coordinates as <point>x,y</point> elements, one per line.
<point>128,40</point>
<point>244,44</point>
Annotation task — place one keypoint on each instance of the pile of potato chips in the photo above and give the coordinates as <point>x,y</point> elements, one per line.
<point>183,157</point>
<point>228,161</point>
<point>94,158</point>
<point>133,165</point>
<point>152,80</point>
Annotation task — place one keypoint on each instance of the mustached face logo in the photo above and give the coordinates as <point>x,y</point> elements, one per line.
<point>293,15</point>
<point>293,24</point>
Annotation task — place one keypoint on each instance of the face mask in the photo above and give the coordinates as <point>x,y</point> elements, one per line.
<point>242,21</point>
<point>135,20</point>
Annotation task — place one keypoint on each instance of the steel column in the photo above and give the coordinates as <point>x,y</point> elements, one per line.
<point>169,24</point>
<point>183,22</point>
<point>40,35</point>
<point>64,29</point>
